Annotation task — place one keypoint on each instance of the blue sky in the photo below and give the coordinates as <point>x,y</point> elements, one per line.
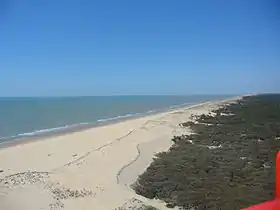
<point>68,47</point>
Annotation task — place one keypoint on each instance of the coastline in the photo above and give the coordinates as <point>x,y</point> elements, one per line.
<point>77,113</point>
<point>69,129</point>
<point>93,160</point>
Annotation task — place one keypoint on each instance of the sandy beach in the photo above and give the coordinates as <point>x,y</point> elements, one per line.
<point>91,169</point>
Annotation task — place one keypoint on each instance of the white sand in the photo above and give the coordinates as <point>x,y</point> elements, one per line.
<point>91,169</point>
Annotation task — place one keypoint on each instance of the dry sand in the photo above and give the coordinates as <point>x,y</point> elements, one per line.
<point>91,169</point>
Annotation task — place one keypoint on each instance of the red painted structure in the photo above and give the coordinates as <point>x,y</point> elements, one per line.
<point>273,204</point>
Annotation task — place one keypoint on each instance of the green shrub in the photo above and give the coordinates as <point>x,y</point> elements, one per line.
<point>237,174</point>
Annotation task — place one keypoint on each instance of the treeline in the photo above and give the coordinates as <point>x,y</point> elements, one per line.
<point>228,164</point>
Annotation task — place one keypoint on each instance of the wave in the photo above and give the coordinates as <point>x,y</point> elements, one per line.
<point>117,117</point>
<point>180,105</point>
<point>48,130</point>
<point>4,138</point>
<point>143,113</point>
<point>40,132</point>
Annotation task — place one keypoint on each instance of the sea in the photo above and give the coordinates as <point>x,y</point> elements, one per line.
<point>32,117</point>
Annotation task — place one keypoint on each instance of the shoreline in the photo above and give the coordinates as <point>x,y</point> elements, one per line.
<point>100,162</point>
<point>79,127</point>
<point>13,141</point>
<point>69,129</point>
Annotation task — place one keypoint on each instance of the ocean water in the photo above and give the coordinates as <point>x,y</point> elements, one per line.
<point>28,117</point>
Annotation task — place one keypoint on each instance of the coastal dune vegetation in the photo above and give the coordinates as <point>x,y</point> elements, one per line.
<point>228,162</point>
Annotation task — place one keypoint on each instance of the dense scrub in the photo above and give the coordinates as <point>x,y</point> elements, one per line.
<point>227,164</point>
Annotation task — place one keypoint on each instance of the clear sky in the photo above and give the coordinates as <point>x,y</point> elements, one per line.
<point>87,47</point>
